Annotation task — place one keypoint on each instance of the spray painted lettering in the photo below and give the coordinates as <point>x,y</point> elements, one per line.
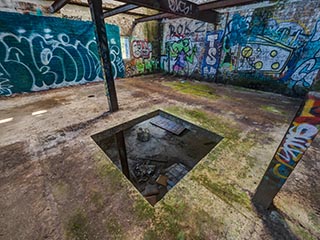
<point>299,137</point>
<point>114,43</point>
<point>141,49</point>
<point>38,54</point>
<point>179,6</point>
<point>212,56</point>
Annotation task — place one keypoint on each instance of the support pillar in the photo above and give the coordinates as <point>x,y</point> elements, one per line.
<point>103,48</point>
<point>122,151</point>
<point>301,133</point>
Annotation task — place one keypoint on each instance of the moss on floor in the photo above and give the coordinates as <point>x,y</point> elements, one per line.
<point>223,126</point>
<point>114,228</point>
<point>229,193</point>
<point>78,226</point>
<point>272,109</point>
<point>194,89</point>
<point>143,209</point>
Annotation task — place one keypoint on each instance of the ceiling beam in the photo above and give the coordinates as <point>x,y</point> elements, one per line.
<point>120,9</point>
<point>155,17</point>
<point>57,5</point>
<point>84,4</point>
<point>225,3</point>
<point>182,8</point>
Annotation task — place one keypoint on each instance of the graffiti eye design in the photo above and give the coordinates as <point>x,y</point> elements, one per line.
<point>64,39</point>
<point>275,66</point>
<point>258,65</point>
<point>247,52</point>
<point>273,53</point>
<point>46,56</point>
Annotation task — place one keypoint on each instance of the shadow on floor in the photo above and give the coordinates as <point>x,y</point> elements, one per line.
<point>275,223</point>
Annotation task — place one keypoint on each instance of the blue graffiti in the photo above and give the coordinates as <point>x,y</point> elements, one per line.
<point>212,54</point>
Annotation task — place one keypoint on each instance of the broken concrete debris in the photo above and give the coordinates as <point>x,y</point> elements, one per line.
<point>143,135</point>
<point>162,180</point>
<point>175,173</point>
<point>151,189</point>
<point>168,125</point>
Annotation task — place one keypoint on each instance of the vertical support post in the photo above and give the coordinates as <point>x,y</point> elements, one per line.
<point>122,151</point>
<point>103,48</point>
<point>169,58</point>
<point>301,133</point>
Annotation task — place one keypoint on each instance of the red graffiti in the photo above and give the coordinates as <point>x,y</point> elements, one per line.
<point>141,49</point>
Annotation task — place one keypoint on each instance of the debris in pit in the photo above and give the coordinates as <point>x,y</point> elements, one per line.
<point>168,125</point>
<point>150,190</point>
<point>175,173</point>
<point>162,180</point>
<point>152,199</point>
<point>144,171</point>
<point>143,135</point>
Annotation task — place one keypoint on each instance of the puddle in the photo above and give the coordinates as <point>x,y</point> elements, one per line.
<point>156,151</point>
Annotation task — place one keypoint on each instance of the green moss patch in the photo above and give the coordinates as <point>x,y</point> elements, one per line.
<point>143,209</point>
<point>227,192</point>
<point>114,228</point>
<point>195,89</point>
<point>224,127</point>
<point>272,110</point>
<point>78,226</point>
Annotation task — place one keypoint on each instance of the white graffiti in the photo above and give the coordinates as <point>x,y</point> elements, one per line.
<point>5,87</point>
<point>40,62</point>
<point>116,60</point>
<point>297,141</point>
<point>211,59</point>
<point>178,6</point>
<point>303,72</point>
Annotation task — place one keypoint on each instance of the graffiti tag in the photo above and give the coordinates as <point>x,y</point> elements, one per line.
<point>141,49</point>
<point>212,55</point>
<point>178,6</point>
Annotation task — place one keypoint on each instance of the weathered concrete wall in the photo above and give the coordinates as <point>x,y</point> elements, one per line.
<point>275,48</point>
<point>38,53</point>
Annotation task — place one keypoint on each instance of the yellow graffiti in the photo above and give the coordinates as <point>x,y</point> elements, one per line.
<point>247,52</point>
<point>277,173</point>
<point>307,108</point>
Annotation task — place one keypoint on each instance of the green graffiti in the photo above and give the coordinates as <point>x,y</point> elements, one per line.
<point>183,46</point>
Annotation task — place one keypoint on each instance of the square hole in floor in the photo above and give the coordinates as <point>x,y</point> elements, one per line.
<point>156,150</point>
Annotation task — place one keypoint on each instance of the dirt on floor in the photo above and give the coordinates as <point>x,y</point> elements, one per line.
<point>56,182</point>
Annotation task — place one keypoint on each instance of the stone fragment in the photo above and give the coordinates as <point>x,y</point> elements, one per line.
<point>150,190</point>
<point>162,180</point>
<point>152,199</point>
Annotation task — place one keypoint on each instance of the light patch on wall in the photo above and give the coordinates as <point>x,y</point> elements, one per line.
<point>125,47</point>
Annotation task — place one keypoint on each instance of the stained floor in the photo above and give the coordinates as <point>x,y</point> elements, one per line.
<point>56,183</point>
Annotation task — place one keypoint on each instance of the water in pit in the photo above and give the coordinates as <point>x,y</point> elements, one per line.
<point>160,150</point>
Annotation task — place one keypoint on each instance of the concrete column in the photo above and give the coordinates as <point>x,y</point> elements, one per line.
<point>297,140</point>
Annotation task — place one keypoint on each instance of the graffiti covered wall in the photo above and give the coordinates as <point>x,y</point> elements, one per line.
<point>38,53</point>
<point>259,47</point>
<point>118,68</point>
<point>183,46</point>
<point>143,59</point>
<point>252,48</point>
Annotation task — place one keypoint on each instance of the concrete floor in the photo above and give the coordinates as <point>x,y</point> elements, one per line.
<point>56,183</point>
